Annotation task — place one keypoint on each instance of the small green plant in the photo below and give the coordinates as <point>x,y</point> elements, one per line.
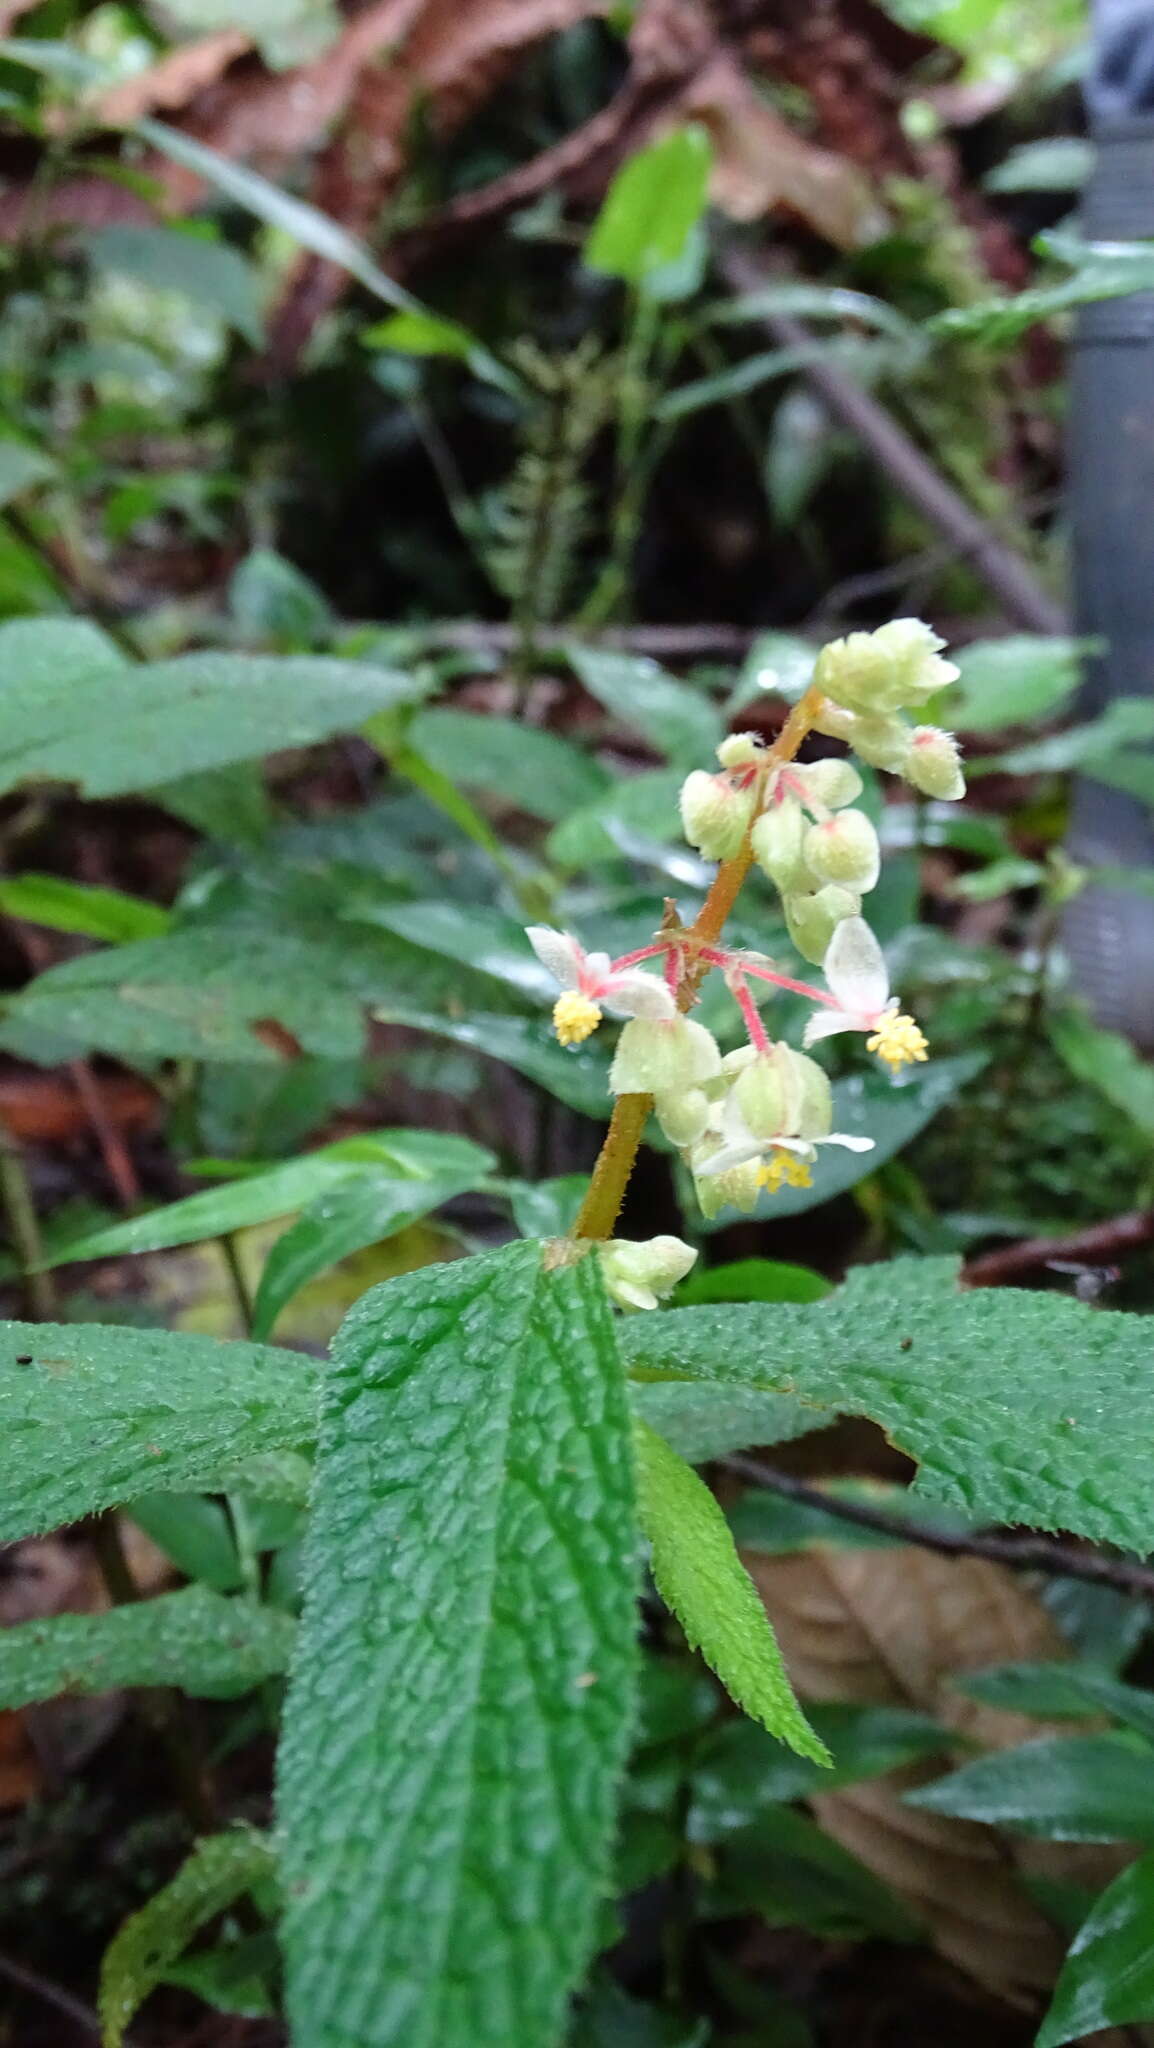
<point>487,1461</point>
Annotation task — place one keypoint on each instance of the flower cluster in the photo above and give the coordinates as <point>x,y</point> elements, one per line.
<point>755,1117</point>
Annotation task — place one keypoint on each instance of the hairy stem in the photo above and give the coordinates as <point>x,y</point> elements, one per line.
<point>618,1155</point>
<point>24,1231</point>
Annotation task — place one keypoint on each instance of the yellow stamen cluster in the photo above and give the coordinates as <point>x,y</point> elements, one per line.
<point>574,1018</point>
<point>784,1167</point>
<point>898,1040</point>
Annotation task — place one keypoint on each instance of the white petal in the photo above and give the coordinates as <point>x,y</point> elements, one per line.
<point>804,1147</point>
<point>851,1144</point>
<point>730,1155</point>
<point>557,951</point>
<point>633,993</point>
<point>827,1023</point>
<point>855,969</point>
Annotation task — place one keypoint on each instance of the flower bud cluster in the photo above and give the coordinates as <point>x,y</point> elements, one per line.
<point>868,680</point>
<point>755,1118</point>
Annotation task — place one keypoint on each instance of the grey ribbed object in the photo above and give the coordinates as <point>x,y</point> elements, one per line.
<point>1109,933</point>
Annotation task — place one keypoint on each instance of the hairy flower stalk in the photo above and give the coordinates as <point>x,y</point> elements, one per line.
<point>755,1118</point>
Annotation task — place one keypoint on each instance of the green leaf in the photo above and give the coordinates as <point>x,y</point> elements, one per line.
<point>221,1869</point>
<point>1109,270</point>
<point>114,729</point>
<point>21,469</point>
<point>483,939</point>
<point>652,206</point>
<point>526,769</point>
<point>700,1423</point>
<point>195,1534</point>
<point>302,223</point>
<point>79,907</point>
<point>576,1075</point>
<point>1106,1061</point>
<point>1016,1405</point>
<point>1107,1979</point>
<point>700,1577</point>
<point>363,1210</point>
<point>91,1417</point>
<point>681,724</point>
<point>1054,1691</point>
<point>228,804</point>
<point>1055,163</point>
<point>751,1280</point>
<point>737,1774</point>
<point>640,805</point>
<point>195,994</point>
<point>547,1208</point>
<point>816,302</point>
<point>871,1105</point>
<point>217,277</point>
<point>1014,681</point>
<point>207,1646</point>
<point>415,1156</point>
<point>765,1521</point>
<point>465,1673</point>
<point>273,601</point>
<point>419,333</point>
<point>791,1874</point>
<point>1078,1788</point>
<point>1089,746</point>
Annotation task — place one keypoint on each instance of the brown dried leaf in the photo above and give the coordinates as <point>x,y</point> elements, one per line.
<point>894,1628</point>
<point>170,84</point>
<point>761,164</point>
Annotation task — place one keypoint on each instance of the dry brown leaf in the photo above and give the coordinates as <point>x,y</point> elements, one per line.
<point>894,1628</point>
<point>760,163</point>
<point>170,84</point>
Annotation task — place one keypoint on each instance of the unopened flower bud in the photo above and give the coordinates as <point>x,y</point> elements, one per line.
<point>663,1056</point>
<point>776,840</point>
<point>767,1093</point>
<point>815,1105</point>
<point>882,671</point>
<point>812,919</point>
<point>638,1276</point>
<point>828,784</point>
<point>844,849</point>
<point>740,750</point>
<point>714,814</point>
<point>684,1117</point>
<point>933,764</point>
<point>883,742</point>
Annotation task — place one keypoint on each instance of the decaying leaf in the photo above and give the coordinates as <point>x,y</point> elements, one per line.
<point>761,164</point>
<point>893,1628</point>
<point>174,80</point>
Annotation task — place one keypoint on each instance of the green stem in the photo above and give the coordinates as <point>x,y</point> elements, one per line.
<point>24,1230</point>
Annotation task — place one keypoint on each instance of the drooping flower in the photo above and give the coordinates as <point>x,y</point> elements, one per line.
<point>777,1113</point>
<point>859,983</point>
<point>638,1276</point>
<point>591,983</point>
<point>934,765</point>
<point>663,1056</point>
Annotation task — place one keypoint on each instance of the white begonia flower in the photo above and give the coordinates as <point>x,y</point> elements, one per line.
<point>741,750</point>
<point>826,785</point>
<point>591,983</point>
<point>896,667</point>
<point>638,1276</point>
<point>663,1056</point>
<point>738,1187</point>
<point>775,1116</point>
<point>858,981</point>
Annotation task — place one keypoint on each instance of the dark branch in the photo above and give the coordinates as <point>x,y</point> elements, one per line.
<point>1097,1243</point>
<point>1020,1553</point>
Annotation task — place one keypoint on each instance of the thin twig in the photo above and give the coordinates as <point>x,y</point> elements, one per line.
<point>24,1230</point>
<point>117,1162</point>
<point>664,643</point>
<point>1005,573</point>
<point>52,1994</point>
<point>1096,1243</point>
<point>1020,1553</point>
